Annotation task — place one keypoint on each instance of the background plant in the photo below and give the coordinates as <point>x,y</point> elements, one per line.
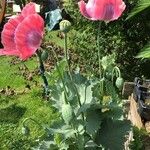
<point>125,38</point>
<point>89,107</point>
<point>143,6</point>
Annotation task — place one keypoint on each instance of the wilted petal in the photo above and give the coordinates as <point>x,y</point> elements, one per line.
<point>29,9</point>
<point>28,36</point>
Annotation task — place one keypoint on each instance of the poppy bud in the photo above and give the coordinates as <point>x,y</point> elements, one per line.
<point>25,130</point>
<point>65,26</point>
<point>44,55</point>
<point>119,83</point>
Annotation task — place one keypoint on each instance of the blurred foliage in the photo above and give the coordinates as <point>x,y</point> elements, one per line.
<point>123,37</point>
<point>142,6</point>
<point>140,137</point>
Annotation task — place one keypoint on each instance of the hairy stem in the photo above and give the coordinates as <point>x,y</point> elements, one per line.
<point>42,72</point>
<point>99,50</point>
<point>69,71</point>
<point>64,87</point>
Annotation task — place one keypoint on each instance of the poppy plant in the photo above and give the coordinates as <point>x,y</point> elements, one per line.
<point>106,10</point>
<point>23,34</point>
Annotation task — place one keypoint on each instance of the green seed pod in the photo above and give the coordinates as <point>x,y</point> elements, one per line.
<point>119,83</point>
<point>67,113</point>
<point>25,130</point>
<point>65,26</point>
<point>44,55</point>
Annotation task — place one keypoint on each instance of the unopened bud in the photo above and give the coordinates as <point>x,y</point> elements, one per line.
<point>65,26</point>
<point>25,130</point>
<point>44,55</point>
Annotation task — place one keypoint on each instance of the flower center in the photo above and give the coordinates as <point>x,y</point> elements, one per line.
<point>34,38</point>
<point>108,11</point>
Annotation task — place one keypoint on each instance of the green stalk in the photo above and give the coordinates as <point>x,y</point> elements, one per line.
<point>69,71</point>
<point>64,87</point>
<point>115,72</point>
<point>27,119</point>
<point>42,72</point>
<point>99,50</point>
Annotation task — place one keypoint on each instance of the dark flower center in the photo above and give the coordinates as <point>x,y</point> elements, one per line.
<point>34,38</point>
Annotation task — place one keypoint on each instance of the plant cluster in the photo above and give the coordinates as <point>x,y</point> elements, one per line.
<point>91,114</point>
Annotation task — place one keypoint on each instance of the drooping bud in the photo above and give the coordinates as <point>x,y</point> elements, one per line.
<point>25,130</point>
<point>119,83</point>
<point>65,26</point>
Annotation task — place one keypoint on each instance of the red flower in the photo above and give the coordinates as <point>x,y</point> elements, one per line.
<point>106,10</point>
<point>23,34</point>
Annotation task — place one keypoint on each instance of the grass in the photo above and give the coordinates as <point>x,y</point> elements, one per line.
<point>26,102</point>
<point>15,108</point>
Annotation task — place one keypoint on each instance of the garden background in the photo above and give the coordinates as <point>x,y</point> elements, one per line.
<point>20,84</point>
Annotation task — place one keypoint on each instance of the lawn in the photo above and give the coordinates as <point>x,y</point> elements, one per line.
<point>20,98</point>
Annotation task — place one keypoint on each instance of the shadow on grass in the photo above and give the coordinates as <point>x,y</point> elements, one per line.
<point>11,114</point>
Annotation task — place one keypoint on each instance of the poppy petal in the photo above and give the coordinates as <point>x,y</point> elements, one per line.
<point>28,36</point>
<point>119,8</point>
<point>9,52</point>
<point>82,6</point>
<point>29,9</point>
<point>106,10</point>
<point>9,32</point>
<point>95,9</point>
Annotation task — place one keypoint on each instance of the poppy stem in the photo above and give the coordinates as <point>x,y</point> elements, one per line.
<point>99,50</point>
<point>61,77</point>
<point>69,71</point>
<point>42,72</point>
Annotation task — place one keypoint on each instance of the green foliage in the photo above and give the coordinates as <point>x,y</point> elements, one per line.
<point>107,61</point>
<point>83,117</point>
<point>145,52</point>
<point>67,113</point>
<point>124,38</point>
<point>138,139</point>
<point>93,121</point>
<point>112,134</point>
<point>142,5</point>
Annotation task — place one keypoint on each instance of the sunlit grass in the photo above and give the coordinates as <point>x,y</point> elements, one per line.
<point>15,108</point>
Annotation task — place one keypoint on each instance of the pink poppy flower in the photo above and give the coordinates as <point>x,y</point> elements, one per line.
<point>106,10</point>
<point>23,34</point>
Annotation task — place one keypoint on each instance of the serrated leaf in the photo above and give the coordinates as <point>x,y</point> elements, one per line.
<point>93,121</point>
<point>112,134</point>
<point>115,113</point>
<point>112,92</point>
<point>107,61</point>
